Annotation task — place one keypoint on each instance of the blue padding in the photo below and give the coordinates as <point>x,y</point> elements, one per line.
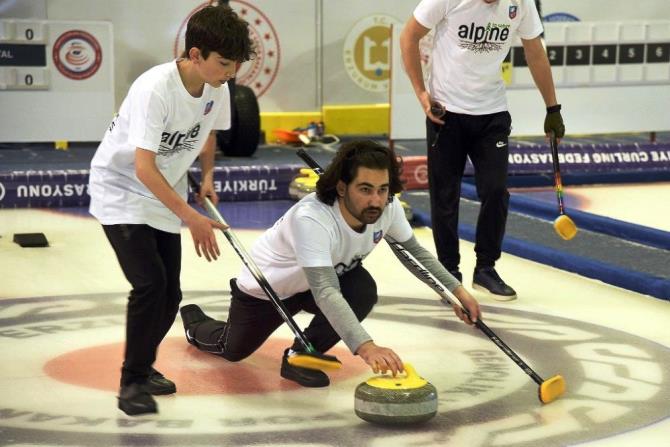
<point>617,276</point>
<point>627,279</point>
<point>535,180</point>
<point>587,221</point>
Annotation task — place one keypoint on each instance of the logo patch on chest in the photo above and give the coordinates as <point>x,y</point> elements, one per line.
<point>377,236</point>
<point>208,107</point>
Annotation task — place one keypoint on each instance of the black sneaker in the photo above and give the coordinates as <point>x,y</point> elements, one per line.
<point>135,400</point>
<point>457,274</point>
<point>487,279</point>
<point>158,385</point>
<point>191,314</point>
<point>312,378</point>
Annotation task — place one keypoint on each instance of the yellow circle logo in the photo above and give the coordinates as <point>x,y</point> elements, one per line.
<point>367,52</point>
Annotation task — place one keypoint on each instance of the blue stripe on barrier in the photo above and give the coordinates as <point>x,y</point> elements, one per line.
<point>587,221</point>
<point>535,180</point>
<point>627,279</point>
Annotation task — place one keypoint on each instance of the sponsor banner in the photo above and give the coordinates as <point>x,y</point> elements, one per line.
<point>590,159</point>
<point>534,159</point>
<point>44,188</point>
<point>69,188</point>
<point>258,182</point>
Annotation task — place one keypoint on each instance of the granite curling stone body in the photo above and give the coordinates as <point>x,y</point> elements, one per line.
<point>404,399</point>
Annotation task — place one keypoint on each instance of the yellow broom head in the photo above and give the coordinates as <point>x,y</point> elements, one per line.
<point>314,360</point>
<point>565,227</point>
<point>551,389</point>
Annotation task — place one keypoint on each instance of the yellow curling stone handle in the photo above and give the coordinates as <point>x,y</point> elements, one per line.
<point>407,381</point>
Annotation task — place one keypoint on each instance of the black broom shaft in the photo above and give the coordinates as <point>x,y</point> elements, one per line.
<point>507,350</point>
<point>253,268</point>
<point>435,284</point>
<point>558,181</point>
<point>309,161</point>
<point>554,152</point>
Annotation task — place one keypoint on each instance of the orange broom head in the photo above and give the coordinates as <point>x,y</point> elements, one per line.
<point>551,389</point>
<point>286,136</point>
<point>314,360</point>
<point>565,227</point>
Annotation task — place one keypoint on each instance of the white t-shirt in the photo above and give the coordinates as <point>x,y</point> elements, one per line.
<point>471,40</point>
<point>314,234</point>
<point>159,115</point>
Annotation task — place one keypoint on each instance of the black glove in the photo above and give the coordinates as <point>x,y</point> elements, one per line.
<point>554,121</point>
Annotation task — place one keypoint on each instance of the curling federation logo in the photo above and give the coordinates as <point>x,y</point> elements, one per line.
<point>259,73</point>
<point>367,52</point>
<point>377,236</point>
<point>208,107</point>
<point>77,54</point>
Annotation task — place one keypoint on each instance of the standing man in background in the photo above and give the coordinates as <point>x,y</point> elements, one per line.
<point>466,110</point>
<point>138,185</point>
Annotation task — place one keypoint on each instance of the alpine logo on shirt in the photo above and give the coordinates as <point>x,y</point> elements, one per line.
<point>175,142</point>
<point>483,39</point>
<point>342,268</point>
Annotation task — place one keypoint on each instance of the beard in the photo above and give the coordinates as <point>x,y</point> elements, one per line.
<point>369,215</point>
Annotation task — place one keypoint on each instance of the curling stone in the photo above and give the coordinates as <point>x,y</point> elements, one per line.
<point>401,400</point>
<point>303,184</point>
<point>407,208</point>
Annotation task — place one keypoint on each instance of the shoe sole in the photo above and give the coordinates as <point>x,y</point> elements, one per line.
<point>191,340</point>
<point>493,295</point>
<point>163,392</point>
<point>305,384</point>
<point>134,410</point>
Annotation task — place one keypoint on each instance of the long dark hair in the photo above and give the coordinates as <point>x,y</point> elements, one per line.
<point>351,156</point>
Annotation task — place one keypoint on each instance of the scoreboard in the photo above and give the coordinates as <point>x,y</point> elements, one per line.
<point>600,53</point>
<point>56,80</point>
<point>23,51</point>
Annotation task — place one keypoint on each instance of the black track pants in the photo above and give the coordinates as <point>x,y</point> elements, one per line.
<point>151,262</point>
<point>484,138</point>
<point>252,320</point>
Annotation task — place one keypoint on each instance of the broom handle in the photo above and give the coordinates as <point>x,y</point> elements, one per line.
<point>252,267</point>
<point>449,298</point>
<point>553,142</point>
<point>446,296</point>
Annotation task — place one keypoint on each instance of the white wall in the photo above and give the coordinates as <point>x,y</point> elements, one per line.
<point>311,36</point>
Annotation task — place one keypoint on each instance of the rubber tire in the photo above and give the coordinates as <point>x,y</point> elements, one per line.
<point>242,139</point>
